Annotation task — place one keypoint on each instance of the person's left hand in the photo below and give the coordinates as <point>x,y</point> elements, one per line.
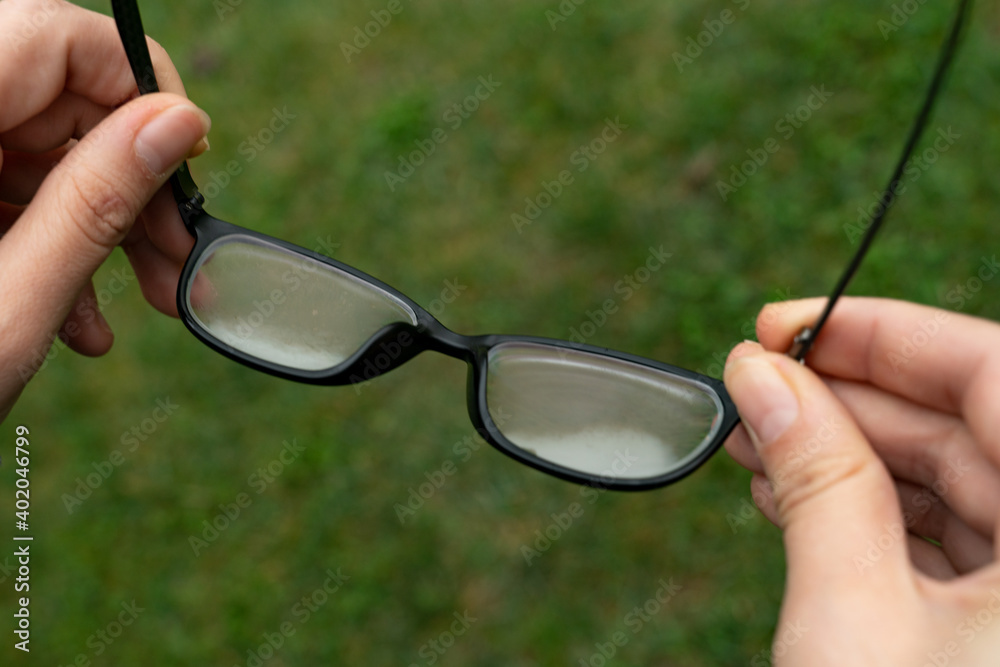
<point>79,164</point>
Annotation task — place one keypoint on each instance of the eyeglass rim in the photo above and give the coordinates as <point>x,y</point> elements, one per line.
<point>429,334</point>
<point>190,201</point>
<point>485,425</point>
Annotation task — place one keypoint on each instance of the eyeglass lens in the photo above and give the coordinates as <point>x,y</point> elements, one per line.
<point>598,414</point>
<point>285,308</point>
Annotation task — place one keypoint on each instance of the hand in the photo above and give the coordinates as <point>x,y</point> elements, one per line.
<point>883,472</point>
<point>77,168</point>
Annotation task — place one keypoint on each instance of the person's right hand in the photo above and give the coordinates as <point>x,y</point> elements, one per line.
<point>80,161</point>
<point>884,473</point>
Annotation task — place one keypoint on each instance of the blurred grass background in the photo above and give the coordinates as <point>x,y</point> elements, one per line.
<point>322,179</point>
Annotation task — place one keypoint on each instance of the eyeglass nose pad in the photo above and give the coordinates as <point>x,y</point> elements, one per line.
<point>801,344</point>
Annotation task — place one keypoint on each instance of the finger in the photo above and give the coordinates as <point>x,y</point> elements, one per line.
<point>832,495</point>
<point>70,116</point>
<point>56,46</point>
<point>929,448</point>
<point>9,214</point>
<point>157,247</point>
<point>996,539</point>
<point>864,339</point>
<point>163,226</point>
<point>82,210</point>
<point>963,552</point>
<point>929,559</point>
<point>739,447</point>
<point>23,173</point>
<point>943,360</point>
<point>738,443</point>
<point>85,330</point>
<point>926,515</point>
<point>763,497</point>
<point>158,273</point>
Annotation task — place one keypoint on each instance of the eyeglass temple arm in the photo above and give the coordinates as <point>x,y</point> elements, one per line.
<point>189,199</point>
<point>805,339</point>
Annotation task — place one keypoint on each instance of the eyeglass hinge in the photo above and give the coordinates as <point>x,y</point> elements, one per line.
<point>191,209</point>
<point>801,344</point>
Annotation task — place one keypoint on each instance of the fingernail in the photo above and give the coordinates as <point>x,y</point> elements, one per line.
<point>767,404</point>
<point>738,351</point>
<point>169,136</point>
<point>201,147</point>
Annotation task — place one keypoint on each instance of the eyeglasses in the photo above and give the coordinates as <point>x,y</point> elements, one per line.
<point>578,412</point>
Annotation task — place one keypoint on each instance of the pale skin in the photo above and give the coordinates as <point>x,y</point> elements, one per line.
<point>883,429</point>
<point>82,171</point>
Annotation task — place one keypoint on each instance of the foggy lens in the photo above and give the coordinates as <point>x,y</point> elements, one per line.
<point>596,414</point>
<point>284,308</point>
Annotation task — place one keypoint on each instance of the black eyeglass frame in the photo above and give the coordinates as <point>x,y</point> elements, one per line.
<point>430,335</point>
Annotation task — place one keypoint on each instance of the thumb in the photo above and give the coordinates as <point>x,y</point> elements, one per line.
<point>833,497</point>
<point>83,209</point>
<point>89,201</point>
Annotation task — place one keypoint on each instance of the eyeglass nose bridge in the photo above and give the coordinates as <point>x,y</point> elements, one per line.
<point>397,343</point>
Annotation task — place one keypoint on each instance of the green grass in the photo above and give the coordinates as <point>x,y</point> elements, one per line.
<point>324,177</point>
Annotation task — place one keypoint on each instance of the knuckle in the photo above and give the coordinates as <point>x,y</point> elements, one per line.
<point>799,489</point>
<point>32,6</point>
<point>101,209</point>
<point>39,11</point>
<point>30,16</point>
